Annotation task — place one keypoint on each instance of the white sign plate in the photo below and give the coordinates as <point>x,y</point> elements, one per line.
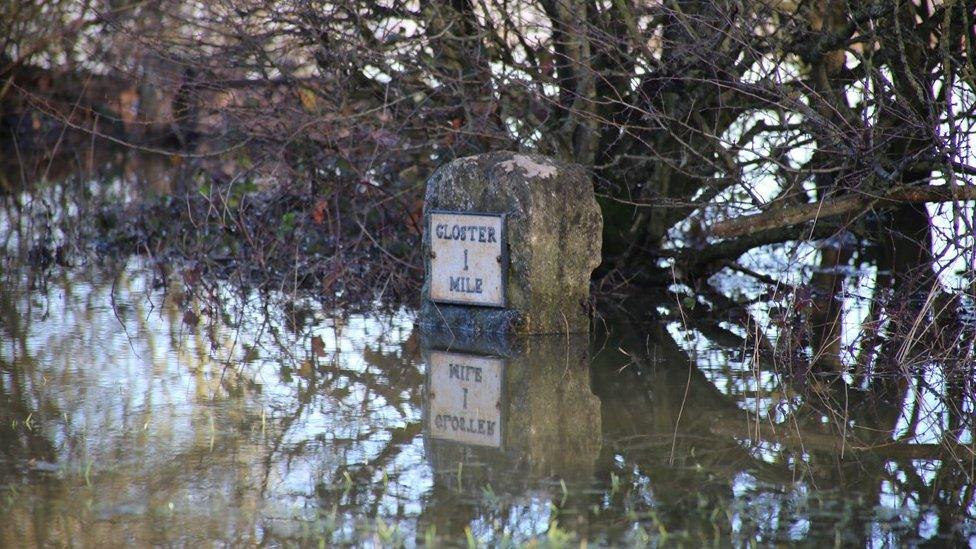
<point>467,263</point>
<point>464,398</point>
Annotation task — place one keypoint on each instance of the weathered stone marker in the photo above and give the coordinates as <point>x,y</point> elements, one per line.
<point>510,243</point>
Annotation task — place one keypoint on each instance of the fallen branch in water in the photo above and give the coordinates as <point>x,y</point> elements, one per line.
<point>794,215</point>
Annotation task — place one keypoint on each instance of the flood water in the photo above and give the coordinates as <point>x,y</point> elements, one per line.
<point>131,413</point>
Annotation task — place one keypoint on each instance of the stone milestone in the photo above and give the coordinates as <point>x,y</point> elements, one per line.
<point>510,244</point>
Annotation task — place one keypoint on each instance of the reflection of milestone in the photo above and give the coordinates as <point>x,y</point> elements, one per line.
<point>494,409</point>
<point>464,398</point>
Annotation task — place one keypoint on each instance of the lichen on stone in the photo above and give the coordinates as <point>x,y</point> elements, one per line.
<point>529,166</point>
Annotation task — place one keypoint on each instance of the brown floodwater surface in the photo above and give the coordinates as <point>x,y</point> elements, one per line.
<point>121,423</point>
<point>136,412</point>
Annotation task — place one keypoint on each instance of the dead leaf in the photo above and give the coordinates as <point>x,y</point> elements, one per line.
<point>306,370</point>
<point>318,346</point>
<point>308,99</point>
<point>319,211</point>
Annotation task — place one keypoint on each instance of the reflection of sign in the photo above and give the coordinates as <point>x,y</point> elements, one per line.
<point>466,259</point>
<point>465,394</point>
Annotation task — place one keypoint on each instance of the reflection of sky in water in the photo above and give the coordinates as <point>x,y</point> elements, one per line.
<point>150,403</point>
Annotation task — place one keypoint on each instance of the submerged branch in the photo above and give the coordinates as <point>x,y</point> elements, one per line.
<point>809,439</point>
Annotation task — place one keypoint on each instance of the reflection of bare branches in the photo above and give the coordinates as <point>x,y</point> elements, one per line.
<point>853,429</point>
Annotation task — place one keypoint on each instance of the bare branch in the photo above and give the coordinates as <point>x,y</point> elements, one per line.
<point>795,215</point>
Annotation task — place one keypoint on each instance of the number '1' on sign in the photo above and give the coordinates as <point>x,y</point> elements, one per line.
<point>468,262</point>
